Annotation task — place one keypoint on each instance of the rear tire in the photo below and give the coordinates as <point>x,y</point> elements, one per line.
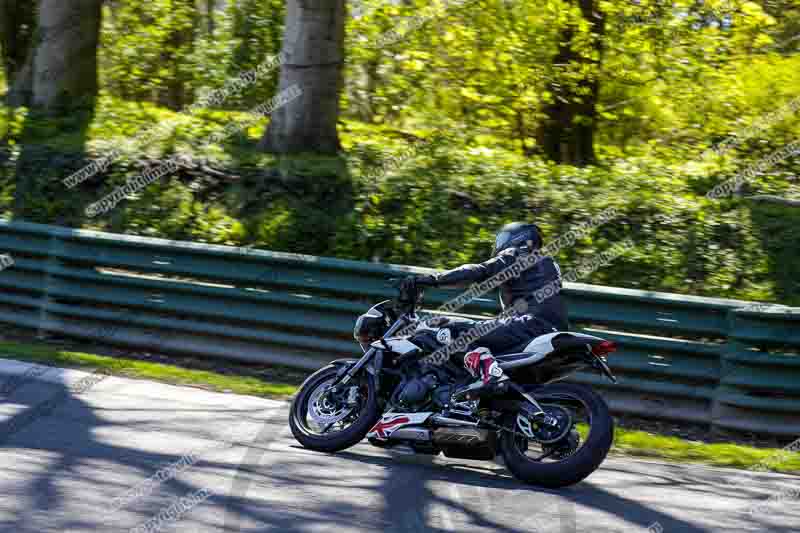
<point>575,467</point>
<point>339,440</point>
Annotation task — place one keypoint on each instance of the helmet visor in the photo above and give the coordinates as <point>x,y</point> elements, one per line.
<point>501,241</point>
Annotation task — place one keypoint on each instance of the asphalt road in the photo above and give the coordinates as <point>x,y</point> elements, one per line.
<point>79,455</point>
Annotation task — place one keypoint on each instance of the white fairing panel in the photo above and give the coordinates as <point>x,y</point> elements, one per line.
<point>391,422</point>
<point>397,345</point>
<point>539,348</point>
<point>542,345</point>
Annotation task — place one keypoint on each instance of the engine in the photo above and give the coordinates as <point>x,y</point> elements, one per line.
<point>415,392</point>
<point>430,390</point>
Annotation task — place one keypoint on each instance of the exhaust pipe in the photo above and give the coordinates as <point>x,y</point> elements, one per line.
<point>447,421</point>
<point>418,434</point>
<point>460,436</point>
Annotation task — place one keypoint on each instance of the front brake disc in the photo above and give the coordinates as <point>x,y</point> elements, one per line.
<point>322,409</point>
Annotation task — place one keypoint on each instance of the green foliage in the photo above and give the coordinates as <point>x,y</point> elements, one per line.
<point>441,106</point>
<point>167,45</point>
<point>169,208</point>
<point>437,204</point>
<point>148,45</point>
<point>684,242</point>
<point>681,72</point>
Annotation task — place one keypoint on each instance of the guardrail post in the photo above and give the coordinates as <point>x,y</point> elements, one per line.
<point>51,263</point>
<point>725,367</point>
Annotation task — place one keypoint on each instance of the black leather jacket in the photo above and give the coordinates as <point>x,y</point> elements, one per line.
<point>544,272</point>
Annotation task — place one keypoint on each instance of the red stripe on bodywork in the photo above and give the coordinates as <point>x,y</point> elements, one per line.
<point>380,426</point>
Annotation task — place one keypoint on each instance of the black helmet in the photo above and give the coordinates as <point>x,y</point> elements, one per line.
<point>517,234</point>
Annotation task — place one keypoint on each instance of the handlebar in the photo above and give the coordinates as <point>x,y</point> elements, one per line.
<point>409,293</point>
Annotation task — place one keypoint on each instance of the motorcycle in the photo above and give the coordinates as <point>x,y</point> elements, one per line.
<point>549,433</point>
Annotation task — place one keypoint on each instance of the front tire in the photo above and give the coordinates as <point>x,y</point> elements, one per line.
<point>580,464</point>
<point>339,440</point>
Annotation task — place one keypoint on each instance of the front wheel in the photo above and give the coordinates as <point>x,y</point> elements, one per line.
<point>564,454</point>
<point>327,420</point>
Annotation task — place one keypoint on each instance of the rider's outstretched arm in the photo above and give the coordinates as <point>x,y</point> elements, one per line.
<point>471,273</point>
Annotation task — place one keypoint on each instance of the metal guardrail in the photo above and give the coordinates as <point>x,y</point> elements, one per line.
<point>687,358</point>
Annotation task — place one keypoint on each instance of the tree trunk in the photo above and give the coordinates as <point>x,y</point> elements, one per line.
<point>65,58</point>
<point>176,95</point>
<point>313,49</point>
<point>17,25</point>
<point>566,135</point>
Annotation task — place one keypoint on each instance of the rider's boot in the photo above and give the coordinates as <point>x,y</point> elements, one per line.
<point>480,363</point>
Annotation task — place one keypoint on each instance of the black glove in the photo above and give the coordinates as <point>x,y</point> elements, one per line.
<point>410,283</point>
<point>426,280</point>
<point>410,288</point>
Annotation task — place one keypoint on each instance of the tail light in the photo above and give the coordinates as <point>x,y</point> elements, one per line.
<point>604,348</point>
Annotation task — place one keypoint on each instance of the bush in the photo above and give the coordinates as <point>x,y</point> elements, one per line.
<point>417,197</point>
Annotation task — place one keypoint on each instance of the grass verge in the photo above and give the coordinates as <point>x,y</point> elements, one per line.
<point>626,441</point>
<point>134,368</point>
<point>643,444</point>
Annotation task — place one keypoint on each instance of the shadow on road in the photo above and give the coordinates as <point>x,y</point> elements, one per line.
<point>280,487</point>
<point>55,432</point>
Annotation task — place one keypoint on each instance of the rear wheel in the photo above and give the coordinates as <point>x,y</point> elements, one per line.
<point>326,420</point>
<point>564,453</point>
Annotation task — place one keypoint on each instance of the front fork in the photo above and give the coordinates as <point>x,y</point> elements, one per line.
<point>372,360</point>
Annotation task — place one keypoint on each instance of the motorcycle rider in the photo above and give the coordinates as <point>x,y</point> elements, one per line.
<point>513,242</point>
